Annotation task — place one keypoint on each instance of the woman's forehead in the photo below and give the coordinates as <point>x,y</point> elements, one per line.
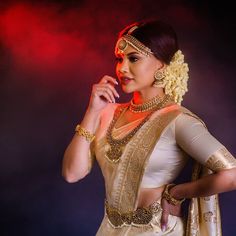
<point>128,50</point>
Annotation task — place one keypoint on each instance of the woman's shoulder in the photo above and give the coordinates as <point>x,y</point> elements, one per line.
<point>187,117</point>
<point>181,110</point>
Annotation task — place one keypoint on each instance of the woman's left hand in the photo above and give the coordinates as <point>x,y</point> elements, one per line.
<point>168,209</point>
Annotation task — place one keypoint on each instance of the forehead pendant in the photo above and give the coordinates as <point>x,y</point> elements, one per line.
<point>129,40</point>
<point>122,45</point>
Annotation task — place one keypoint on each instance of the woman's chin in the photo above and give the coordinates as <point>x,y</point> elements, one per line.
<point>127,89</point>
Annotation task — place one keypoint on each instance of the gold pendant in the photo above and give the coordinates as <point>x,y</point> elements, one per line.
<point>114,153</point>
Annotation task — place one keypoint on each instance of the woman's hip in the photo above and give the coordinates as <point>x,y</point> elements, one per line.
<point>142,221</point>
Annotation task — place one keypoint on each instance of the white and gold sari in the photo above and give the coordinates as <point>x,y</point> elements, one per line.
<point>123,180</point>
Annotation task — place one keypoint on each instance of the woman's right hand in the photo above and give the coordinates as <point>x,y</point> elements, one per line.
<point>103,93</point>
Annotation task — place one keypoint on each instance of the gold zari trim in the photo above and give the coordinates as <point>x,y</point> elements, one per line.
<point>204,212</point>
<point>220,160</point>
<point>130,169</point>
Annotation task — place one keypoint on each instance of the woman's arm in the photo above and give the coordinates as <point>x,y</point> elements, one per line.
<point>193,137</point>
<point>77,161</point>
<point>222,181</point>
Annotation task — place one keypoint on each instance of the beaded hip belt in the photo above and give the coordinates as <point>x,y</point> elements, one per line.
<point>141,216</point>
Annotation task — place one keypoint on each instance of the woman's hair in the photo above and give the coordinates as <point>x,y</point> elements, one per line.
<point>156,35</point>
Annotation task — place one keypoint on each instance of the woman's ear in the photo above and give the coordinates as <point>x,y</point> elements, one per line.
<point>160,65</point>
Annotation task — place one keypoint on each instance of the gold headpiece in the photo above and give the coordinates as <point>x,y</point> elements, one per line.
<point>128,39</point>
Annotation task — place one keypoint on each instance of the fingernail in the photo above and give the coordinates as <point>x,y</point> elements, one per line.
<point>163,228</point>
<point>116,82</point>
<point>118,95</point>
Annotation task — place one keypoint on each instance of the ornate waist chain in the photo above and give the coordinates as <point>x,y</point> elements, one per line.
<point>141,216</point>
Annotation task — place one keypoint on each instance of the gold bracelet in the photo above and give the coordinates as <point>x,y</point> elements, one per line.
<point>171,200</point>
<point>85,133</point>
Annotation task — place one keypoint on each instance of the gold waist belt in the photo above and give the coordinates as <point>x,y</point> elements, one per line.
<point>141,216</point>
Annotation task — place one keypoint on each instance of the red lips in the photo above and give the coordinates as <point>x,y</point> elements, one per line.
<point>125,80</point>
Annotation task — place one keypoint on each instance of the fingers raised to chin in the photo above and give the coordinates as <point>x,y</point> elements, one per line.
<point>107,79</point>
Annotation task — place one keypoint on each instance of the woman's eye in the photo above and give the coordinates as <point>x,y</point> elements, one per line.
<point>119,59</point>
<point>133,59</point>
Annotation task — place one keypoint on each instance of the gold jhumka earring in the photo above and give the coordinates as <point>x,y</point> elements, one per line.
<point>159,79</point>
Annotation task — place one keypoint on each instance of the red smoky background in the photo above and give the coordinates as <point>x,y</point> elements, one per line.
<point>51,52</point>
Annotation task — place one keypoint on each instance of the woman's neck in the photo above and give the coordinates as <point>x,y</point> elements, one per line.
<point>139,97</point>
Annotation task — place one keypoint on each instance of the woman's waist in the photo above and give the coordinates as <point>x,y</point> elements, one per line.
<point>147,216</point>
<point>149,195</point>
<point>145,197</point>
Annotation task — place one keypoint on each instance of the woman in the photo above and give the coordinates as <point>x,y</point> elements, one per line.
<point>142,146</point>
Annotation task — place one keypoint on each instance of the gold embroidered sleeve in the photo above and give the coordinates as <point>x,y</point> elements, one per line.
<point>220,160</point>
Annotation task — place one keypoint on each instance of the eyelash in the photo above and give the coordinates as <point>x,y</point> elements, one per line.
<point>133,59</point>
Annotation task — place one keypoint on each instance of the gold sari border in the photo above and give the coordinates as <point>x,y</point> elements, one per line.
<point>130,169</point>
<point>222,159</point>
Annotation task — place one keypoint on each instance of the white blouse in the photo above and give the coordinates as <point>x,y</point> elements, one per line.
<point>185,135</point>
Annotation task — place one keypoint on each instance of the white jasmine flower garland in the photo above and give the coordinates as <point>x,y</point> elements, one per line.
<point>176,77</point>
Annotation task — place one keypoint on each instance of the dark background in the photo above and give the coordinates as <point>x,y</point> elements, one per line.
<point>51,52</point>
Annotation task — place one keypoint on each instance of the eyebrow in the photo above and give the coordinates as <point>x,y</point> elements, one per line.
<point>132,53</point>
<point>129,54</point>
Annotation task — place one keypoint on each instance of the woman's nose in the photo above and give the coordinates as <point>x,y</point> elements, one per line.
<point>123,67</point>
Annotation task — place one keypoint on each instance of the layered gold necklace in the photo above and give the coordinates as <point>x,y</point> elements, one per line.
<point>117,145</point>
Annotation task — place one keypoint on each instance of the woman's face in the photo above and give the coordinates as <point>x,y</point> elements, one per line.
<point>135,71</point>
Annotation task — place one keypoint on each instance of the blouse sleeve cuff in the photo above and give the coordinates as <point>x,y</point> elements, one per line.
<point>222,159</point>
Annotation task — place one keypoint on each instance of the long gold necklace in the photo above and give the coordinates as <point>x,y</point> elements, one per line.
<point>117,145</point>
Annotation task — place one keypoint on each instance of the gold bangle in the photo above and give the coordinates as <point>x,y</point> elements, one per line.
<point>85,133</point>
<point>171,200</point>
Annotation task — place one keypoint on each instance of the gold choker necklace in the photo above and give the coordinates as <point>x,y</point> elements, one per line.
<point>152,104</point>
